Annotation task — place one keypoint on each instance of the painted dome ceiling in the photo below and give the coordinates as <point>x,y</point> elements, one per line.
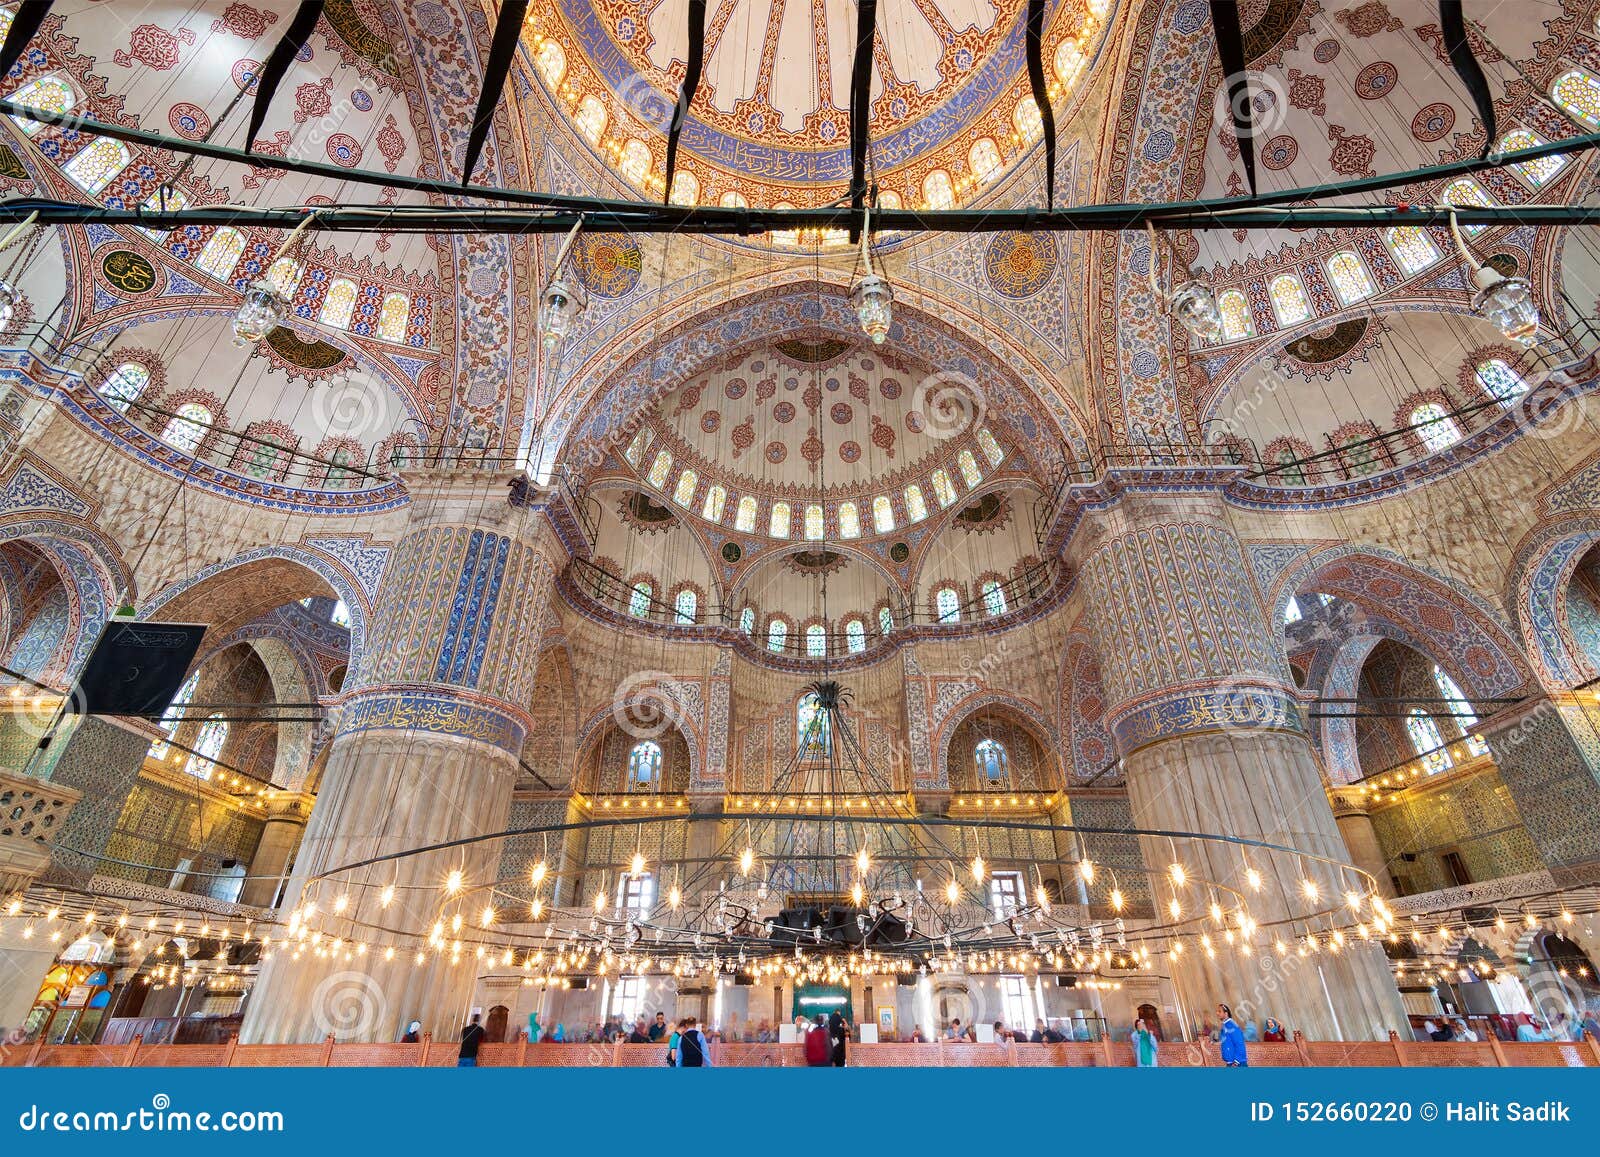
<point>770,124</point>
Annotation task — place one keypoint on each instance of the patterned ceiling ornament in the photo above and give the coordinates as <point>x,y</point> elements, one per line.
<point>245,22</point>
<point>11,167</point>
<point>189,121</point>
<point>1352,152</point>
<point>1019,265</point>
<point>306,355</point>
<point>1433,122</point>
<point>1334,348</point>
<point>644,514</point>
<point>819,351</point>
<point>1369,19</point>
<point>1277,30</point>
<point>1280,152</point>
<point>154,47</point>
<point>313,99</point>
<point>608,264</point>
<point>1308,91</point>
<point>1377,80</point>
<point>129,272</point>
<point>815,562</point>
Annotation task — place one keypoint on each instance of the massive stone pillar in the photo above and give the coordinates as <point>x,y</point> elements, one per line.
<point>1361,838</point>
<point>425,754</point>
<point>287,814</point>
<point>1199,704</point>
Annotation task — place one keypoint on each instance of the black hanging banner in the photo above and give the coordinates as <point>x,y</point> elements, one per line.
<point>23,26</point>
<point>277,65</point>
<point>1230,51</point>
<point>691,83</point>
<point>502,52</point>
<point>1041,95</point>
<point>1454,27</point>
<point>135,669</point>
<point>861,104</point>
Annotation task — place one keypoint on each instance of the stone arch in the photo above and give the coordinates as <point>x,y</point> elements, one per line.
<point>1541,569</point>
<point>91,571</point>
<point>594,744</point>
<point>1026,712</point>
<point>676,700</point>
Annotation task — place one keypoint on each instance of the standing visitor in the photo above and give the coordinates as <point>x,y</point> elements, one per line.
<point>1231,1038</point>
<point>535,1030</point>
<point>672,1044</point>
<point>694,1051</point>
<point>413,1033</point>
<point>658,1031</point>
<point>471,1038</point>
<point>819,1049</point>
<point>1144,1045</point>
<point>1440,1032</point>
<point>1273,1031</point>
<point>838,1034</point>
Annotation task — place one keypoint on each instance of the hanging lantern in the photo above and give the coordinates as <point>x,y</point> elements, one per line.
<point>1195,307</point>
<point>558,310</point>
<point>1508,303</point>
<point>260,312</point>
<point>873,300</point>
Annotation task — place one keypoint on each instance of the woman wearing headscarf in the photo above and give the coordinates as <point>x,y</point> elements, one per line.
<point>533,1027</point>
<point>560,1035</point>
<point>1231,1037</point>
<point>1273,1030</point>
<point>1144,1045</point>
<point>838,1033</point>
<point>413,1034</point>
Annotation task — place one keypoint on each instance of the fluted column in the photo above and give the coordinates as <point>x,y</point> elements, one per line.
<point>287,814</point>
<point>1199,703</point>
<point>1360,837</point>
<point>425,754</point>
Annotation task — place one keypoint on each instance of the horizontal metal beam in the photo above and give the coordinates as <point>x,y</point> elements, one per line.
<point>699,221</point>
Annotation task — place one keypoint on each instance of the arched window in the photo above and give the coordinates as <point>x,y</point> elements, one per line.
<point>1068,61</point>
<point>855,635</point>
<point>340,615</point>
<point>882,515</point>
<point>1537,173</point>
<point>716,499</point>
<point>849,520</point>
<point>947,604</point>
<point>1461,709</point>
<point>1026,120</point>
<point>1427,741</point>
<point>266,453</point>
<point>984,159</point>
<point>552,61</point>
<point>916,506</point>
<point>285,275</point>
<point>644,765</point>
<point>1349,277</point>
<point>1289,300</point>
<point>747,620</point>
<point>683,492</point>
<point>1466,191</point>
<point>172,716</point>
<point>339,473</point>
<point>1294,471</point>
<point>339,305</point>
<point>635,163</point>
<point>659,469</point>
<point>50,93</point>
<point>994,598</point>
<point>392,317</point>
<point>778,524</point>
<point>1411,247</point>
<point>745,519</point>
<point>1500,381</point>
<point>813,731</point>
<point>208,743</point>
<point>221,253</point>
<point>1357,454</point>
<point>1435,427</point>
<point>943,489</point>
<point>733,199</point>
<point>937,191</point>
<point>816,641</point>
<point>968,465</point>
<point>124,384</point>
<point>813,522</point>
<point>639,600</point>
<point>994,766</point>
<point>188,428</point>
<point>94,167</point>
<point>1237,323</point>
<point>1578,91</point>
<point>685,188</point>
<point>686,605</point>
<point>885,621</point>
<point>1291,611</point>
<point>777,635</point>
<point>991,448</point>
<point>591,118</point>
<point>170,199</point>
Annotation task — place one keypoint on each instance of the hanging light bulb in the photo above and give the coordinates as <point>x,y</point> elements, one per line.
<point>1253,878</point>
<point>536,909</point>
<point>675,898</point>
<point>747,860</point>
<point>1195,307</point>
<point>863,861</point>
<point>260,312</point>
<point>1505,301</point>
<point>558,310</point>
<point>872,296</point>
<point>599,902</point>
<point>637,867</point>
<point>1086,870</point>
<point>487,918</point>
<point>977,868</point>
<point>386,897</point>
<point>1179,876</point>
<point>857,894</point>
<point>952,891</point>
<point>454,881</point>
<point>538,873</point>
<point>1116,899</point>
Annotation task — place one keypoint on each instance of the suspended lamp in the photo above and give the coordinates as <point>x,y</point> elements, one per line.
<point>262,308</point>
<point>1505,301</point>
<point>8,297</point>
<point>561,303</point>
<point>1191,301</point>
<point>872,296</point>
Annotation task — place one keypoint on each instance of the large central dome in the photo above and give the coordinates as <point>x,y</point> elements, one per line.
<point>951,109</point>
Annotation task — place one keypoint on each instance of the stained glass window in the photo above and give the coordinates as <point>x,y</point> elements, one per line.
<point>778,524</point>
<point>1291,611</point>
<point>882,515</point>
<point>969,468</point>
<point>685,188</point>
<point>659,469</point>
<point>93,167</point>
<point>1435,427</point>
<point>814,523</point>
<point>591,118</point>
<point>943,489</point>
<point>644,764</point>
<point>1294,471</point>
<point>994,766</point>
<point>552,61</point>
<point>733,199</point>
<point>716,498</point>
<point>813,731</point>
<point>777,635</point>
<point>984,158</point>
<point>1068,61</point>
<point>188,427</point>
<point>172,716</point>
<point>745,519</point>
<point>1026,120</point>
<point>339,473</point>
<point>221,253</point>
<point>1358,455</point>
<point>683,492</point>
<point>208,743</point>
<point>849,520</point>
<point>916,507</point>
<point>1450,691</point>
<point>1578,91</point>
<point>392,317</point>
<point>285,275</point>
<point>124,384</point>
<point>1502,382</point>
<point>50,93</point>
<point>265,454</point>
<point>1289,299</point>
<point>855,634</point>
<point>937,191</point>
<point>635,162</point>
<point>339,304</point>
<point>1351,281</point>
<point>991,449</point>
<point>747,620</point>
<point>686,605</point>
<point>947,604</point>
<point>340,615</point>
<point>1537,173</point>
<point>994,598</point>
<point>639,600</point>
<point>885,621</point>
<point>1412,248</point>
<point>175,199</point>
<point>1466,191</point>
<point>1427,741</point>
<point>816,641</point>
<point>635,450</point>
<point>1236,321</point>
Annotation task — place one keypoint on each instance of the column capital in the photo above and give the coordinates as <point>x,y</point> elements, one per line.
<point>288,807</point>
<point>498,501</point>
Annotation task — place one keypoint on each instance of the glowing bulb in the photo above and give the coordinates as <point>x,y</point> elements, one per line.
<point>1253,878</point>
<point>1179,876</point>
<point>674,898</point>
<point>341,903</point>
<point>952,891</point>
<point>1116,899</point>
<point>536,909</point>
<point>386,897</point>
<point>454,881</point>
<point>1309,887</point>
<point>977,868</point>
<point>488,917</point>
<point>1174,907</point>
<point>747,860</point>
<point>1086,870</point>
<point>863,861</point>
<point>538,874</point>
<point>599,902</point>
<point>857,894</point>
<point>637,866</point>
